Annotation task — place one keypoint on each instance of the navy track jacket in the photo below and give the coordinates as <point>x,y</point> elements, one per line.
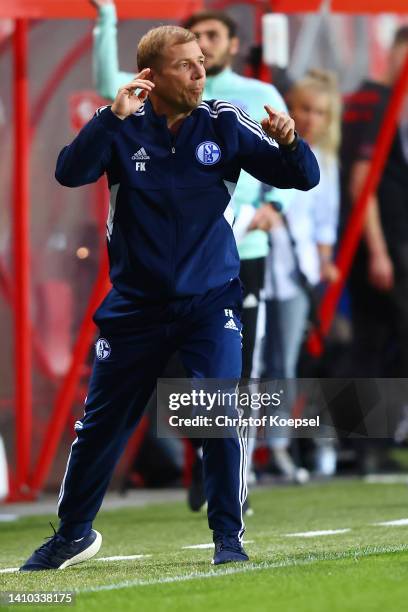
<point>168,237</point>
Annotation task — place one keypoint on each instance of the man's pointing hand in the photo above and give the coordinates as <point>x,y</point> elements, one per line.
<point>279,126</point>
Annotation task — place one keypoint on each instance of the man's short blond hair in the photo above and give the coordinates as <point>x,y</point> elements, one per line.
<point>152,45</point>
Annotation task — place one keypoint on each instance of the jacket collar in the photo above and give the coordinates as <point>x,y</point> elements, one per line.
<point>159,119</point>
<point>152,116</point>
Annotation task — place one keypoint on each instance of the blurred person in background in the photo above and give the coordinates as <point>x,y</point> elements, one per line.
<point>378,282</point>
<point>301,253</point>
<point>216,34</point>
<point>379,277</point>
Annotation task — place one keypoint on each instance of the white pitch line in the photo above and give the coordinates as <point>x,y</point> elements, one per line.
<point>11,570</point>
<point>397,523</point>
<point>203,546</point>
<point>248,567</point>
<point>386,479</point>
<point>315,534</point>
<point>122,557</point>
<point>244,568</point>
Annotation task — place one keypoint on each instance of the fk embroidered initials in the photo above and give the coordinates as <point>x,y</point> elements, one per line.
<point>140,166</point>
<point>230,324</point>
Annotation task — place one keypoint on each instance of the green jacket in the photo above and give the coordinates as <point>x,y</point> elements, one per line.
<point>248,94</point>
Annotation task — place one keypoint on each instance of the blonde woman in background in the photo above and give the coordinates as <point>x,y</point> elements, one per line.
<point>302,251</point>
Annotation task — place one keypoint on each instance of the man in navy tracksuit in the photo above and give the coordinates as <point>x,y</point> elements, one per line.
<point>172,163</point>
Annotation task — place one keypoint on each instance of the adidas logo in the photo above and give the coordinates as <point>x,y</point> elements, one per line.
<point>140,154</point>
<point>230,324</point>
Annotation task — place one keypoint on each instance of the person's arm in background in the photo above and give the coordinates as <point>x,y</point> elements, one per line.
<point>329,272</point>
<point>326,218</point>
<point>107,76</point>
<point>380,267</point>
<point>274,202</point>
<point>243,204</point>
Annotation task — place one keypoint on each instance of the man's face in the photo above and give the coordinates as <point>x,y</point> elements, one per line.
<point>218,48</point>
<point>180,78</point>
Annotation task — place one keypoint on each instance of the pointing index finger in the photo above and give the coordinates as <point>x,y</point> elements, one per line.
<point>271,112</point>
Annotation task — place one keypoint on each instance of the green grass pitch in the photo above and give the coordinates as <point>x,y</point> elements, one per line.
<point>364,569</point>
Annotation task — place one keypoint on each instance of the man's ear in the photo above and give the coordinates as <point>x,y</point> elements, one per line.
<point>234,45</point>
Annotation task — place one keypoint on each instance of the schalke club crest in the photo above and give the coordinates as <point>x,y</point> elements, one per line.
<point>208,153</point>
<point>103,349</point>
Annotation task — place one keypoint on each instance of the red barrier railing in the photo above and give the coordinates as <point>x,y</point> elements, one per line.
<point>21,255</point>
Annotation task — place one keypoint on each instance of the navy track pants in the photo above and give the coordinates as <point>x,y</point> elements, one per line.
<point>127,365</point>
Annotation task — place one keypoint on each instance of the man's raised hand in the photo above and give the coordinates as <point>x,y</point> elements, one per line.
<point>127,102</point>
<point>279,126</point>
